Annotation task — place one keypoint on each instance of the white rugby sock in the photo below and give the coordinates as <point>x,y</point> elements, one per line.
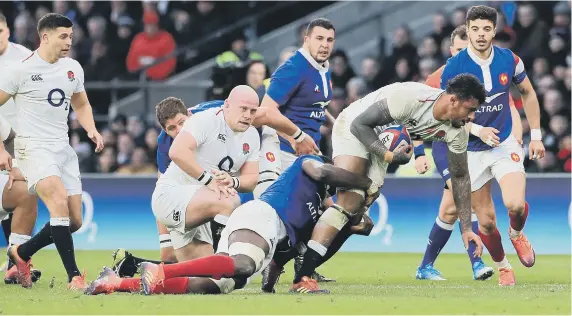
<point>17,239</point>
<point>317,247</point>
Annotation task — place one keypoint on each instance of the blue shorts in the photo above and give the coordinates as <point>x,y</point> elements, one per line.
<point>439,152</point>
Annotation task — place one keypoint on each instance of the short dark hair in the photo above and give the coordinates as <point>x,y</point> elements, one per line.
<point>52,21</point>
<point>168,109</point>
<point>3,18</point>
<point>461,32</point>
<point>321,22</point>
<point>482,12</point>
<point>466,87</point>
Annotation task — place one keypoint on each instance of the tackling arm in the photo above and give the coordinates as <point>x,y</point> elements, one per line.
<point>334,176</point>
<point>363,129</point>
<point>268,114</point>
<point>461,181</point>
<point>83,110</point>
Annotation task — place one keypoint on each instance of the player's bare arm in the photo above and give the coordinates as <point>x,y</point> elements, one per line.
<point>421,164</point>
<point>84,112</point>
<point>9,142</point>
<point>363,129</point>
<point>4,97</point>
<point>182,153</point>
<point>532,111</point>
<point>487,134</point>
<point>461,181</point>
<point>269,114</point>
<point>247,180</point>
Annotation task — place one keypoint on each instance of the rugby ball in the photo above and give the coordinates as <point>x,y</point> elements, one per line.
<point>394,136</point>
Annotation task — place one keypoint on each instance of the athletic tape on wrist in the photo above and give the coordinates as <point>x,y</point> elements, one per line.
<point>235,182</point>
<point>299,136</point>
<point>419,151</point>
<point>205,178</point>
<point>535,134</point>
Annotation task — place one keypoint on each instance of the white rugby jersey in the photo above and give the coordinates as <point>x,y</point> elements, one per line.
<point>42,94</point>
<point>411,104</point>
<point>219,148</point>
<point>13,53</point>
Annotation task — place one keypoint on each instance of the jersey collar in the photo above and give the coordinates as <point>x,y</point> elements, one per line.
<point>313,62</point>
<point>478,60</point>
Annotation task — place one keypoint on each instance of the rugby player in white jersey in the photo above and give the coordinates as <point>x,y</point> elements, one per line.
<point>23,209</point>
<point>45,86</point>
<point>427,113</point>
<point>214,155</point>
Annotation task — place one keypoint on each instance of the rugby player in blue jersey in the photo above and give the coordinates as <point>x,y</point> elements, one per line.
<point>256,228</point>
<point>298,95</point>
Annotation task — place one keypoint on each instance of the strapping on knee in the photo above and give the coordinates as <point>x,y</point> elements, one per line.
<point>335,216</point>
<point>249,250</point>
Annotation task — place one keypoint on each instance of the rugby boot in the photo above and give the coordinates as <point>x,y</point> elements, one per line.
<point>11,275</point>
<point>315,275</point>
<point>106,283</point>
<point>307,286</point>
<point>481,272</point>
<point>78,283</point>
<point>24,275</point>
<point>523,250</point>
<point>270,277</point>
<point>506,277</point>
<point>151,275</point>
<point>428,272</point>
<point>123,264</point>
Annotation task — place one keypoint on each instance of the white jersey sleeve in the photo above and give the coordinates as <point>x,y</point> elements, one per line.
<point>255,152</point>
<point>201,126</point>
<point>10,78</point>
<point>80,80</point>
<point>457,143</point>
<point>401,102</point>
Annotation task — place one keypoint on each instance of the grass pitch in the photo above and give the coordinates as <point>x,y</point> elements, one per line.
<point>367,283</point>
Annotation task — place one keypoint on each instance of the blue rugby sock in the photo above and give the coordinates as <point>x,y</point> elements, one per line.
<point>472,246</point>
<point>438,238</point>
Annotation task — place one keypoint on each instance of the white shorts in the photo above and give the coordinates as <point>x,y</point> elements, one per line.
<point>496,162</point>
<point>287,159</point>
<point>169,204</point>
<point>260,218</point>
<point>269,163</point>
<point>39,159</point>
<point>344,143</point>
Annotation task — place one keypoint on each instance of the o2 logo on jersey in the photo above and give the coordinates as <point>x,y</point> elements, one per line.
<point>226,164</point>
<point>88,225</point>
<point>60,96</point>
<point>378,212</point>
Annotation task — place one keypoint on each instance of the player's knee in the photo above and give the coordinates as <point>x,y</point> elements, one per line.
<point>515,205</point>
<point>351,200</point>
<point>248,258</point>
<point>244,266</point>
<point>487,224</point>
<point>448,214</point>
<point>75,224</point>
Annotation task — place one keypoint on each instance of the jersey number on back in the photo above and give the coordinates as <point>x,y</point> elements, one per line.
<point>58,93</point>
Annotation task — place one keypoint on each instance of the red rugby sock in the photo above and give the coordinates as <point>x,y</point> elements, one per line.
<point>172,286</point>
<point>517,221</point>
<point>216,267</point>
<point>494,245</point>
<point>130,285</point>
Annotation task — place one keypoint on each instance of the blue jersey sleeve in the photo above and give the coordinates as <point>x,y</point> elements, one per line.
<point>163,145</point>
<point>449,72</point>
<point>284,82</point>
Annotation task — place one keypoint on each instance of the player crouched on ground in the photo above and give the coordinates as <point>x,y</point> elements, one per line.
<point>285,214</point>
<point>214,155</point>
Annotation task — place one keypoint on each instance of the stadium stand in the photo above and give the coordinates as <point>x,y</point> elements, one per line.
<point>110,43</point>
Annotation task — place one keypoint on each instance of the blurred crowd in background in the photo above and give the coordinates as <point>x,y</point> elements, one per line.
<point>115,40</point>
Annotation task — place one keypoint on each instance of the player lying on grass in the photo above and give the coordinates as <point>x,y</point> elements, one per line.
<point>428,114</point>
<point>285,213</point>
<point>214,155</point>
<point>171,115</point>
<point>15,201</point>
<point>443,225</point>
